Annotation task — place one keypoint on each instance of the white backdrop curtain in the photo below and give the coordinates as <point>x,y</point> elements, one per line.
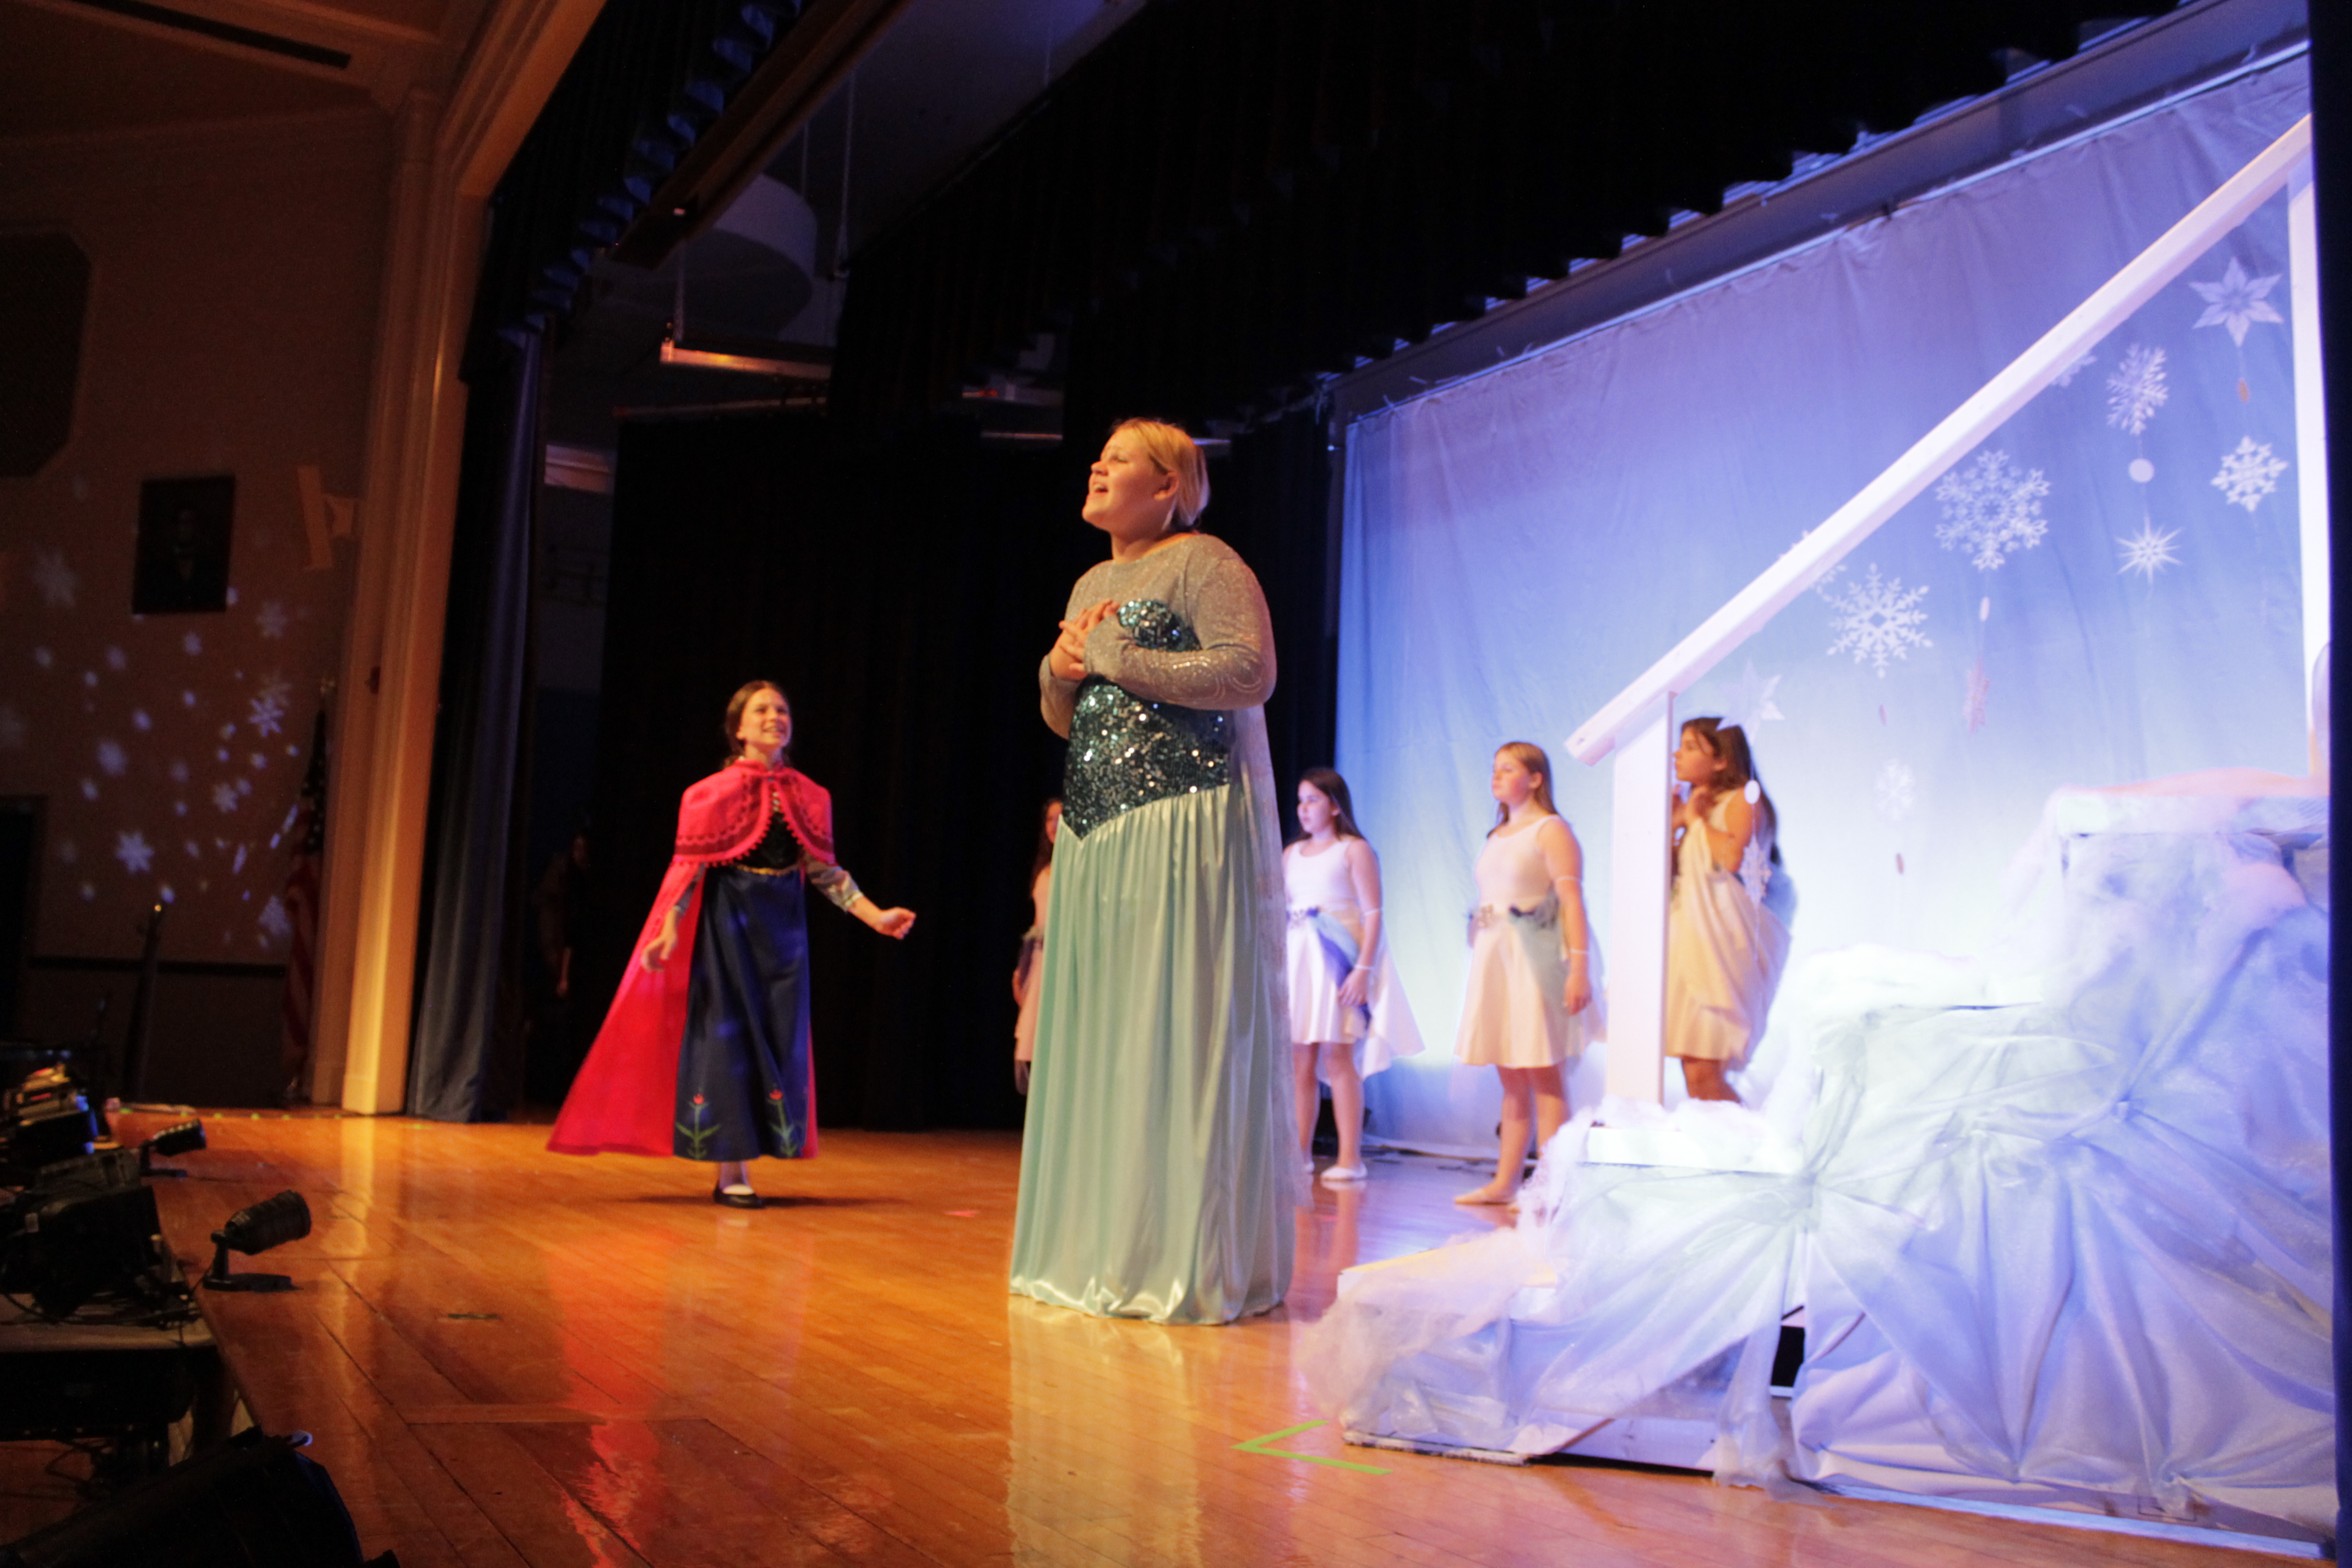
<point>2108,588</point>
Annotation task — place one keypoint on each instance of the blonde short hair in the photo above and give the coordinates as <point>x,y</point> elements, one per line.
<point>1172,451</point>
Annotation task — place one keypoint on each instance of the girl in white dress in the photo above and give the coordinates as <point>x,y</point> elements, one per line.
<point>1726,932</point>
<point>1348,1014</point>
<point>1530,960</point>
<point>1029,973</point>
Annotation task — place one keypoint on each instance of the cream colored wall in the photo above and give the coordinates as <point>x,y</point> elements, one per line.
<point>235,272</point>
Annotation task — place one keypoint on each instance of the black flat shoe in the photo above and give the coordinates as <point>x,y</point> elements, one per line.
<point>738,1200</point>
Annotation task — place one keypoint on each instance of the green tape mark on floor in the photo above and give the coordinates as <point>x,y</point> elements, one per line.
<point>1258,1446</point>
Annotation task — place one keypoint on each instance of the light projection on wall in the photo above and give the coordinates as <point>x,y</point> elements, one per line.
<point>184,758</point>
<point>2107,588</point>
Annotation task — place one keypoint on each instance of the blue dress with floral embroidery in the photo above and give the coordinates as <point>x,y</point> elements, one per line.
<point>743,1082</point>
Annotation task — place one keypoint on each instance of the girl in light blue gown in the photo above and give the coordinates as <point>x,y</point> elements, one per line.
<point>1156,1165</point>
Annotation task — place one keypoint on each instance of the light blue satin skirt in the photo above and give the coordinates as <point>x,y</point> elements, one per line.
<point>1152,1182</point>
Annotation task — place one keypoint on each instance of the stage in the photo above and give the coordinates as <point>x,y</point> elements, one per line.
<point>510,1357</point>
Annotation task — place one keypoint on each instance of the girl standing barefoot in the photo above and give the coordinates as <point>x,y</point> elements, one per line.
<point>1530,962</point>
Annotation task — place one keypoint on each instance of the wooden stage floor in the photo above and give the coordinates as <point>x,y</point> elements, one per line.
<point>508,1357</point>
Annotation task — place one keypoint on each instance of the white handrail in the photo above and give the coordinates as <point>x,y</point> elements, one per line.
<point>1947,443</point>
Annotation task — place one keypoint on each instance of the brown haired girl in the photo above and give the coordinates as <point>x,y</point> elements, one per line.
<point>1726,939</point>
<point>709,1059</point>
<point>1348,1018</point>
<point>1530,962</point>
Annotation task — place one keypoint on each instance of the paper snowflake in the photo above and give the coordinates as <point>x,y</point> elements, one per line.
<point>2249,473</point>
<point>191,644</point>
<point>271,618</point>
<point>1991,509</point>
<point>55,579</point>
<point>1878,619</point>
<point>2237,301</point>
<point>1972,705</point>
<point>2066,377</point>
<point>2148,552</point>
<point>275,926</point>
<point>1897,791</point>
<point>12,729</point>
<point>2137,390</point>
<point>266,709</point>
<point>131,848</point>
<point>112,759</point>
<point>1748,701</point>
<point>1755,869</point>
<point>225,796</point>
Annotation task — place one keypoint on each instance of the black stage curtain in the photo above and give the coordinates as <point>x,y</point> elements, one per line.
<point>646,82</point>
<point>465,1059</point>
<point>903,599</point>
<point>1232,198</point>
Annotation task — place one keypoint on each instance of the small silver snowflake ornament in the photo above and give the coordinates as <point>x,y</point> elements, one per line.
<point>2148,552</point>
<point>2249,472</point>
<point>2237,301</point>
<point>1991,509</point>
<point>1878,619</point>
<point>2137,389</point>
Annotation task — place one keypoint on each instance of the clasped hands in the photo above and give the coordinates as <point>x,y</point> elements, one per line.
<point>1067,660</point>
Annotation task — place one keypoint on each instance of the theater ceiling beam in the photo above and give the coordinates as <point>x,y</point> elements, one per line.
<point>789,87</point>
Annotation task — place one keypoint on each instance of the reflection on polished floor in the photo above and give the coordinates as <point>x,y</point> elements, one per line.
<point>509,1357</point>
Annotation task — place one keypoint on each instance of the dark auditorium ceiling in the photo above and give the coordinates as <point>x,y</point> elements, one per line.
<point>72,66</point>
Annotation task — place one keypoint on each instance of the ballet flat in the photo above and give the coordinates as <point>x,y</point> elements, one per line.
<point>737,1200</point>
<point>1344,1175</point>
<point>1479,1197</point>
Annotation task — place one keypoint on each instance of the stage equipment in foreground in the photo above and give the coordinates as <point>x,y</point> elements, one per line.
<point>271,1223</point>
<point>182,1138</point>
<point>252,1502</point>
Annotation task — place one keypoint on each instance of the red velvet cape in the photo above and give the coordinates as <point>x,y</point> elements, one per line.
<point>625,1097</point>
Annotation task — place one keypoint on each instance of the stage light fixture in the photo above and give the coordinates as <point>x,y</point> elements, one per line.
<point>271,1223</point>
<point>179,1139</point>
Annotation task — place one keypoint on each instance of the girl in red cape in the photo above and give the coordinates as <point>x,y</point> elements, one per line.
<point>709,1059</point>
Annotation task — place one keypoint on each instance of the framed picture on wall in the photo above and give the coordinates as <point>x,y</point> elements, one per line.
<point>184,536</point>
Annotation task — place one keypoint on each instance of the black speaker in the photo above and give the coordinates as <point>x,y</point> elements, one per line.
<point>44,291</point>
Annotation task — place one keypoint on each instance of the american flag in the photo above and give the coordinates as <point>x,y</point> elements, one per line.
<point>302,903</point>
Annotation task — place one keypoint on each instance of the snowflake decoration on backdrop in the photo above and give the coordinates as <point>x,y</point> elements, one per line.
<point>2148,552</point>
<point>2237,301</point>
<point>1897,791</point>
<point>1748,701</point>
<point>271,618</point>
<point>1878,619</point>
<point>131,848</point>
<point>1756,869</point>
<point>225,796</point>
<point>2066,377</point>
<point>112,759</point>
<point>2249,473</point>
<point>275,926</point>
<point>1972,705</point>
<point>266,711</point>
<point>1991,509</point>
<point>2137,389</point>
<point>12,729</point>
<point>55,579</point>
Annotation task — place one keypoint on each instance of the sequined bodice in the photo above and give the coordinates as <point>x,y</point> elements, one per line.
<point>1125,751</point>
